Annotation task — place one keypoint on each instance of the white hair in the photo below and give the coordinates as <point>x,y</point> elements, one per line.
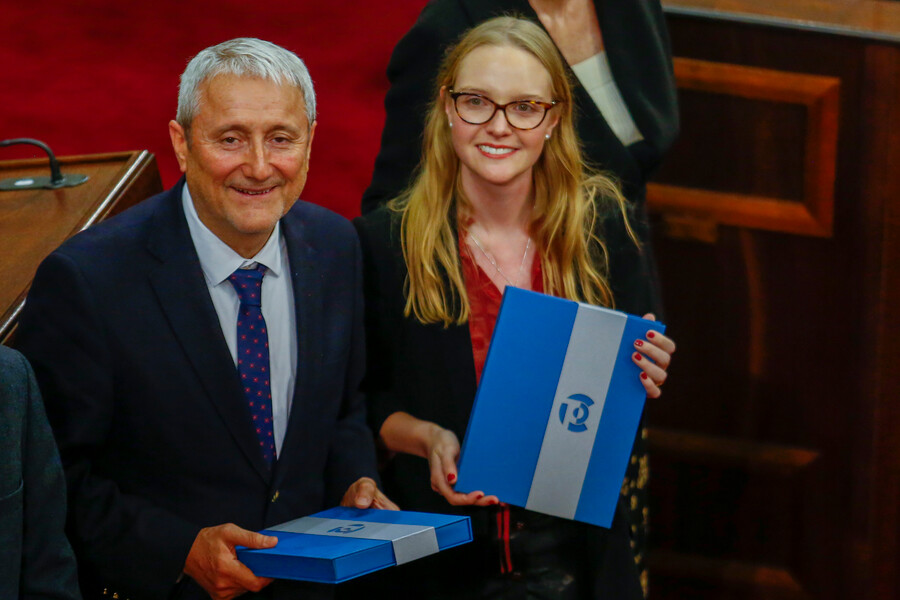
<point>243,57</point>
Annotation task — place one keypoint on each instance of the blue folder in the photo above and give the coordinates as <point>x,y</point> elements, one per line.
<point>557,409</point>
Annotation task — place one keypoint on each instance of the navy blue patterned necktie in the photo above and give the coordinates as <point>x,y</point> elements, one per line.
<point>253,355</point>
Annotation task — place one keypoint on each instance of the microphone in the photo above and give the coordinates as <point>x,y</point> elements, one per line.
<point>55,181</point>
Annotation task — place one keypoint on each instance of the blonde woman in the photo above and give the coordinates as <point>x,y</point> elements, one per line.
<point>502,198</point>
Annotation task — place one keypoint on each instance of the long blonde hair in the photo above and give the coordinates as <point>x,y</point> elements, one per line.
<point>566,195</point>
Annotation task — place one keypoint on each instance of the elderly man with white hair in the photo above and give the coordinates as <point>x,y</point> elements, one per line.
<point>200,355</point>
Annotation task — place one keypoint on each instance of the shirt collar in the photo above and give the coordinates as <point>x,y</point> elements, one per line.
<point>217,259</point>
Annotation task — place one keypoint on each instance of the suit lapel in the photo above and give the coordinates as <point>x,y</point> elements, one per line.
<point>181,290</point>
<point>308,297</point>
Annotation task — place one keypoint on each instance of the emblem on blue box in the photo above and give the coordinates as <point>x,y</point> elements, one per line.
<point>347,528</point>
<point>574,421</point>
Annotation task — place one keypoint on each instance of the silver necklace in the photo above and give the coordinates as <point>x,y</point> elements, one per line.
<point>493,262</point>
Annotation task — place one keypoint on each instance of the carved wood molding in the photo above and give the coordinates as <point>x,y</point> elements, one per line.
<point>767,581</point>
<point>867,19</point>
<point>726,452</point>
<point>813,215</point>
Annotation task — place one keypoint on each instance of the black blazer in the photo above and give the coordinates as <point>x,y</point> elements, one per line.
<point>428,371</point>
<point>146,403</point>
<point>36,561</point>
<point>637,46</point>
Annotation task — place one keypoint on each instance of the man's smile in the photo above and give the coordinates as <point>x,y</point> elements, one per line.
<point>252,192</point>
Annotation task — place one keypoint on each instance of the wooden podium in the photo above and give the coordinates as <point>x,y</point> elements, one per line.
<point>33,223</point>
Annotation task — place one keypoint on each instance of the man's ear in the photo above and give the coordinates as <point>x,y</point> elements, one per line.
<point>179,144</point>
<point>312,132</point>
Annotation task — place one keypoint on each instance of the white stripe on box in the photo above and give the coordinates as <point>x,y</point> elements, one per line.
<point>410,541</point>
<point>587,371</point>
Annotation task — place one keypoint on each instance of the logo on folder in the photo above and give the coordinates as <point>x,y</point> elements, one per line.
<point>574,419</point>
<point>347,528</point>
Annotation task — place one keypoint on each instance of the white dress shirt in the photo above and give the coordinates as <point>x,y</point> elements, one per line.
<point>596,77</point>
<point>218,261</point>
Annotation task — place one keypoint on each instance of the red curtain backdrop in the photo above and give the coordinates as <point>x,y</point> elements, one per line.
<point>92,77</point>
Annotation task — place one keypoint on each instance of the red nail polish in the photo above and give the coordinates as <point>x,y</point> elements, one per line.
<point>637,356</point>
<point>493,502</point>
<point>644,376</point>
<point>451,478</point>
<point>638,343</point>
<point>479,496</point>
<point>651,335</point>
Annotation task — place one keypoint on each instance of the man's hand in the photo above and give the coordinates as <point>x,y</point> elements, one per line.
<point>363,493</point>
<point>212,561</point>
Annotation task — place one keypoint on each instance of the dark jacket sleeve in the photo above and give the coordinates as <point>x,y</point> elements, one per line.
<point>638,49</point>
<point>129,540</point>
<point>412,71</point>
<point>33,517</point>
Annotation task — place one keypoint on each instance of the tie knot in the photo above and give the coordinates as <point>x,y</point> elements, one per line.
<point>248,284</point>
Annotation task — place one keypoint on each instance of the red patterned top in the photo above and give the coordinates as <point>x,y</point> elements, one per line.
<point>484,302</point>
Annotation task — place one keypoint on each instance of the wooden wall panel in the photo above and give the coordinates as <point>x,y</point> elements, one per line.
<point>782,126</point>
<point>775,451</point>
<point>875,521</point>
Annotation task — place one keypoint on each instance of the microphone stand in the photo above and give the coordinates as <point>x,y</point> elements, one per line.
<point>55,181</point>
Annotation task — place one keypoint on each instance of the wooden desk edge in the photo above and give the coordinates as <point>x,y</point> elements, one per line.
<point>136,160</point>
<point>874,20</point>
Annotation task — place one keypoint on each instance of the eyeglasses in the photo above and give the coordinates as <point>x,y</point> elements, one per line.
<point>476,109</point>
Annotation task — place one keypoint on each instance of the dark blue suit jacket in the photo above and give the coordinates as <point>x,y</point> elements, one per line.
<point>145,401</point>
<point>36,561</point>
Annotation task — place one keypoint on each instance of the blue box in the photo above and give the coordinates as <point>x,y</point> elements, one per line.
<point>557,409</point>
<point>342,543</point>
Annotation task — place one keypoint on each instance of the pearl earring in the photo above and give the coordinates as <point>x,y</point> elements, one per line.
<point>450,123</point>
<point>547,136</point>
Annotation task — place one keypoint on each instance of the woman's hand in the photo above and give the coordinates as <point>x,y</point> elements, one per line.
<point>653,356</point>
<point>402,432</point>
<point>442,455</point>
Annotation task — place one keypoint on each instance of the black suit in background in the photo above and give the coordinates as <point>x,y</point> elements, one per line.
<point>36,560</point>
<point>146,404</point>
<point>429,372</point>
<point>637,45</point>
